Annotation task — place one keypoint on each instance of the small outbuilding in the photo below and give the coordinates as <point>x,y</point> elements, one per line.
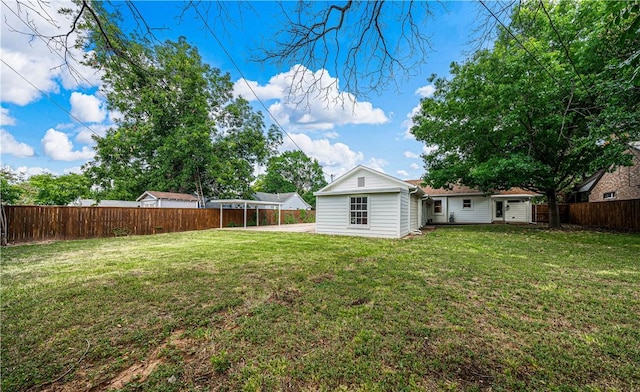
<point>367,203</point>
<point>286,201</point>
<point>167,200</point>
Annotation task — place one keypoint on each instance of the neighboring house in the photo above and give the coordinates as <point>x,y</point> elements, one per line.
<point>621,184</point>
<point>290,201</point>
<point>167,200</point>
<point>367,203</point>
<point>103,203</point>
<point>462,204</point>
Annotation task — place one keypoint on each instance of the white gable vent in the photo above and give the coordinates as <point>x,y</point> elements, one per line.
<point>360,182</point>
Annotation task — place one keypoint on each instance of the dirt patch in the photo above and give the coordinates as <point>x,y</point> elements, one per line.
<point>322,278</point>
<point>141,370</point>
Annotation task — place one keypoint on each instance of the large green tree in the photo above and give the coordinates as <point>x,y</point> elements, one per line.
<point>10,192</point>
<point>49,189</point>
<point>553,100</point>
<point>292,171</point>
<point>179,124</point>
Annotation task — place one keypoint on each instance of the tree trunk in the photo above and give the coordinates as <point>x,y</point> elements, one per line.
<point>554,212</point>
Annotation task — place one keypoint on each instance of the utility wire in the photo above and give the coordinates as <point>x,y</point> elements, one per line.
<point>224,49</point>
<point>50,99</point>
<point>36,34</point>
<point>508,30</point>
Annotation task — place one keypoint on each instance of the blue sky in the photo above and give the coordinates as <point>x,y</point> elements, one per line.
<point>48,128</point>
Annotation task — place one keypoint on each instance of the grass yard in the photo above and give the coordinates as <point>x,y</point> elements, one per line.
<point>461,308</point>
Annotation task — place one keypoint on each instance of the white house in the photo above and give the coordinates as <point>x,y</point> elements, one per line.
<point>103,203</point>
<point>467,205</point>
<point>167,200</point>
<point>290,200</point>
<point>367,203</point>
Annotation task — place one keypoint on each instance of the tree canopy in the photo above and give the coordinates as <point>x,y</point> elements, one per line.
<point>553,100</point>
<point>179,125</point>
<point>292,171</point>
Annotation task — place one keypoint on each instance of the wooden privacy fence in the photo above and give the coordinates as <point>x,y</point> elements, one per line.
<point>43,223</point>
<point>615,215</point>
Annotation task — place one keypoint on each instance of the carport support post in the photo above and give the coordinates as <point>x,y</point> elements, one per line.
<point>257,216</point>
<point>221,215</point>
<point>245,214</point>
<point>279,214</point>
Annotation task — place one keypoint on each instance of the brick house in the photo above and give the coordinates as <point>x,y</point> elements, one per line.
<point>621,184</point>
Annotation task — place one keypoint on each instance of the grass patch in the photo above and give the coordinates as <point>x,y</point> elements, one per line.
<point>461,308</point>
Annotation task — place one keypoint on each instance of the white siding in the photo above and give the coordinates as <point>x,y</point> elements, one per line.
<point>404,214</point>
<point>177,203</point>
<point>443,217</point>
<point>517,212</point>
<point>295,202</point>
<point>414,204</point>
<point>371,181</point>
<point>480,211</point>
<point>332,215</point>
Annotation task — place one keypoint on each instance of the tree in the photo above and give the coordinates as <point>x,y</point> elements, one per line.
<point>530,112</point>
<point>293,171</point>
<point>180,125</point>
<point>9,192</point>
<point>59,191</point>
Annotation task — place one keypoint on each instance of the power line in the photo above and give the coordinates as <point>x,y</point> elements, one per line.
<point>224,49</point>
<point>50,99</point>
<point>508,30</point>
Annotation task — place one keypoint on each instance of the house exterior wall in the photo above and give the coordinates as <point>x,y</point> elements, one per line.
<point>295,202</point>
<point>480,211</point>
<point>163,203</point>
<point>370,181</point>
<point>414,204</point>
<point>442,217</point>
<point>404,214</point>
<point>332,215</point>
<point>624,181</point>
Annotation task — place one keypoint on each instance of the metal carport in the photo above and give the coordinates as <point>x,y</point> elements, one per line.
<point>247,203</point>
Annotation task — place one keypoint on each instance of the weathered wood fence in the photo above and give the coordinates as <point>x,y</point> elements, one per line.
<point>615,215</point>
<point>44,223</point>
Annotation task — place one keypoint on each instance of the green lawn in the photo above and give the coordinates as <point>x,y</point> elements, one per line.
<point>460,308</point>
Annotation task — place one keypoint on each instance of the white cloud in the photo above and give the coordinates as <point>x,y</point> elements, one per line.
<point>426,91</point>
<point>5,118</point>
<point>335,158</point>
<point>408,123</point>
<point>403,173</point>
<point>331,135</point>
<point>9,145</point>
<point>26,172</point>
<point>44,67</point>
<point>428,149</point>
<point>85,136</point>
<point>73,170</point>
<point>310,100</point>
<point>377,164</point>
<point>87,108</point>
<point>414,166</point>
<point>57,146</point>
<point>410,154</point>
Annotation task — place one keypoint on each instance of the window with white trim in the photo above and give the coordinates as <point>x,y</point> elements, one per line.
<point>609,195</point>
<point>466,204</point>
<point>437,206</point>
<point>359,210</point>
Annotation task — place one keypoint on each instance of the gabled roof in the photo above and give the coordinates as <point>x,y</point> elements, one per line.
<point>588,184</point>
<point>274,197</point>
<point>395,181</point>
<point>168,196</point>
<point>278,197</point>
<point>461,190</point>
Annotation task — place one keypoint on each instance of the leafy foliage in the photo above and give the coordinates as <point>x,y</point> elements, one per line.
<point>179,124</point>
<point>58,190</point>
<point>550,103</point>
<point>293,171</point>
<point>9,191</point>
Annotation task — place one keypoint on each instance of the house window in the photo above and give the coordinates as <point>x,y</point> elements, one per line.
<point>437,206</point>
<point>609,195</point>
<point>360,182</point>
<point>359,210</point>
<point>466,204</point>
